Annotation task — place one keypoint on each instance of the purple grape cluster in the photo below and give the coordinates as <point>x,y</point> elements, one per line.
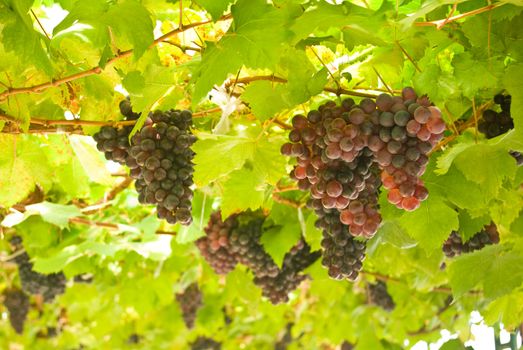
<point>17,304</point>
<point>378,295</point>
<point>454,245</point>
<point>190,301</point>
<point>237,240</point>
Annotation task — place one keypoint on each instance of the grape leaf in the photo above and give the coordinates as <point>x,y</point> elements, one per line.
<point>19,36</point>
<point>22,165</point>
<point>255,41</point>
<point>431,223</point>
<point>495,268</point>
<point>211,164</point>
<point>243,190</point>
<point>453,344</point>
<point>507,309</point>
<point>55,214</point>
<point>258,93</point>
<point>130,19</point>
<point>215,7</point>
<point>487,166</point>
<point>469,226</point>
<point>278,240</point>
<point>90,159</point>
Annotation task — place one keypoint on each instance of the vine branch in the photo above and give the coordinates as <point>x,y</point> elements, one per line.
<point>442,22</point>
<point>97,70</point>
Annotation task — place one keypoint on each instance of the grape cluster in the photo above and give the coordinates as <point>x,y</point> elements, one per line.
<point>17,304</point>
<point>48,286</point>
<point>277,288</point>
<point>163,165</point>
<point>378,295</point>
<point>114,142</point>
<point>204,343</point>
<point>286,339</point>
<point>344,153</point>
<point>215,247</point>
<point>346,346</point>
<point>455,246</point>
<point>237,240</point>
<point>159,158</point>
<point>496,123</point>
<point>190,301</point>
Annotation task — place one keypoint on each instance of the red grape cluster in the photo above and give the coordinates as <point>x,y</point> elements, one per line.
<point>215,246</point>
<point>190,301</point>
<point>378,295</point>
<point>341,151</point>
<point>455,246</point>
<point>237,240</point>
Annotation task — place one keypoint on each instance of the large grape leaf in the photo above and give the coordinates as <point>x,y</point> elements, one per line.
<point>220,156</point>
<point>431,223</point>
<point>245,189</point>
<point>19,36</point>
<point>258,93</point>
<point>493,267</point>
<point>486,165</point>
<point>255,41</point>
<point>216,8</point>
<point>22,165</point>
<point>132,20</point>
<point>507,309</point>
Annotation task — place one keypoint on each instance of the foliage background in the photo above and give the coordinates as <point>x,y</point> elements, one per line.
<point>266,61</point>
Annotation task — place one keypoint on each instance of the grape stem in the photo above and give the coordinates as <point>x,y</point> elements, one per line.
<point>442,22</point>
<point>97,70</point>
<point>277,198</point>
<point>77,122</point>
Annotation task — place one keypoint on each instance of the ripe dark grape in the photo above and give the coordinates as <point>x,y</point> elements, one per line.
<point>17,304</point>
<point>378,295</point>
<point>190,301</point>
<point>455,246</point>
<point>162,152</point>
<point>48,286</point>
<point>215,247</point>
<point>392,135</point>
<point>204,343</point>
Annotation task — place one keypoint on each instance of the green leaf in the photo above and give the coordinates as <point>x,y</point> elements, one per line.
<point>255,41</point>
<point>258,93</point>
<point>210,164</point>
<point>391,232</point>
<point>507,309</point>
<point>90,159</point>
<point>245,189</point>
<point>495,268</point>
<point>130,19</point>
<point>22,166</point>
<point>55,214</point>
<point>19,36</point>
<point>215,7</point>
<point>454,344</point>
<point>469,226</point>
<point>487,166</point>
<point>277,241</point>
<point>431,223</point>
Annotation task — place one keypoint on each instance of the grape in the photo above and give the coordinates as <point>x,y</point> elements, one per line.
<point>384,102</point>
<point>422,114</point>
<point>17,304</point>
<point>190,301</point>
<point>455,246</point>
<point>378,295</point>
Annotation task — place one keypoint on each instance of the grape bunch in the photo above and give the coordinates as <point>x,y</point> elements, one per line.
<point>277,288</point>
<point>159,158</point>
<point>204,343</point>
<point>378,295</point>
<point>237,240</point>
<point>48,286</point>
<point>496,123</point>
<point>455,246</point>
<point>215,246</point>
<point>286,339</point>
<point>114,142</point>
<point>190,301</point>
<point>345,153</point>
<point>164,168</point>
<point>17,304</point>
<point>346,346</point>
